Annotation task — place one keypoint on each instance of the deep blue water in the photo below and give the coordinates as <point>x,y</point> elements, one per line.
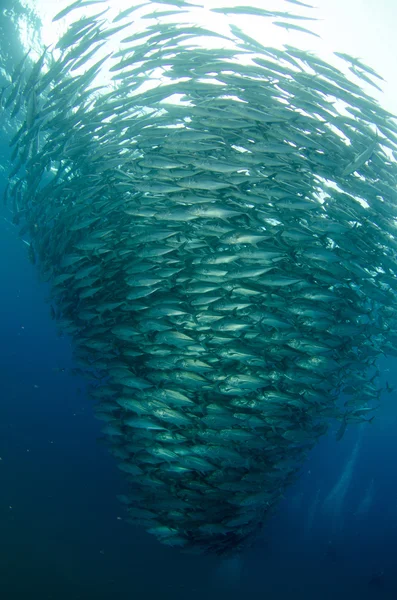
<point>63,533</point>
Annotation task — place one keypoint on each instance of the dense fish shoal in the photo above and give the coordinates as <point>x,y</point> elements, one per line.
<point>218,228</point>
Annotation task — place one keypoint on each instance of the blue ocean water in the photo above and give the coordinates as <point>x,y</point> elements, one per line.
<point>63,534</point>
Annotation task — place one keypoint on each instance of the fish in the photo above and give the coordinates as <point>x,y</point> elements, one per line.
<point>73,6</point>
<point>125,13</point>
<point>360,160</point>
<point>219,241</point>
<point>294,27</point>
<point>356,62</point>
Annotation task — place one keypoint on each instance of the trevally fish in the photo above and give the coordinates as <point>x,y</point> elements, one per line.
<point>220,242</point>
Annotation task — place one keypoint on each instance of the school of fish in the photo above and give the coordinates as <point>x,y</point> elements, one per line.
<point>220,245</point>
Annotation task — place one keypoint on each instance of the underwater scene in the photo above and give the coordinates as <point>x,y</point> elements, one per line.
<point>198,230</point>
